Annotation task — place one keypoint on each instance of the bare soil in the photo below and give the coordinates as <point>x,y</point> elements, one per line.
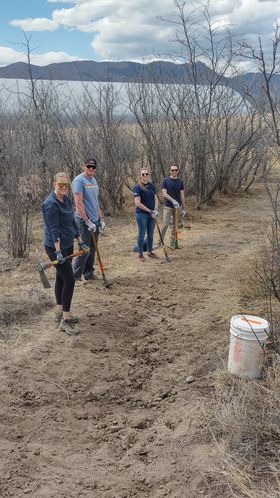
<point>119,411</point>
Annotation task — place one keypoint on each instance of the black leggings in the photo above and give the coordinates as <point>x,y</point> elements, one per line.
<point>65,282</point>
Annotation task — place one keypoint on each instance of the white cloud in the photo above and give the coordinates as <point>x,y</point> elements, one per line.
<point>125,29</point>
<point>37,24</point>
<point>117,39</point>
<point>10,56</point>
<point>53,57</point>
<point>254,17</point>
<point>223,7</point>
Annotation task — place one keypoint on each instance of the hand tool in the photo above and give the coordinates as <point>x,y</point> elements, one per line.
<point>104,280</point>
<point>43,266</point>
<point>167,259</point>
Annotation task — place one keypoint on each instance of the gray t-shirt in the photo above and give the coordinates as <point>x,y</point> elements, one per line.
<point>90,190</point>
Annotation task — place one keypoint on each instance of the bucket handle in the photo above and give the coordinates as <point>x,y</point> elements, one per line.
<point>250,325</point>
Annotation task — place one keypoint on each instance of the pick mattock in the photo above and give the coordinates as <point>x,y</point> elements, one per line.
<point>104,280</point>
<point>167,259</point>
<point>177,218</point>
<point>43,266</point>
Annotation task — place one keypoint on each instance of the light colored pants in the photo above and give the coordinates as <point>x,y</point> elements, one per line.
<point>168,220</point>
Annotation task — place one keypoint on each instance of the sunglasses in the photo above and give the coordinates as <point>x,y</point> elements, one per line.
<point>91,166</point>
<point>144,174</point>
<point>174,170</point>
<point>61,185</point>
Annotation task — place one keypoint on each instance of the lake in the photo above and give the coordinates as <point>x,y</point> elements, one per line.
<point>11,91</point>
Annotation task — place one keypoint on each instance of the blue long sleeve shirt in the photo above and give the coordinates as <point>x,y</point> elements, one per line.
<point>59,221</point>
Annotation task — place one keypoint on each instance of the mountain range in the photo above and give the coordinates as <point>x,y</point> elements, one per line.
<point>128,71</point>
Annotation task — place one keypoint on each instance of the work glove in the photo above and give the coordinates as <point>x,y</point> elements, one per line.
<point>154,214</point>
<point>102,225</point>
<point>83,246</point>
<point>175,204</point>
<point>91,226</point>
<point>183,213</point>
<point>59,256</point>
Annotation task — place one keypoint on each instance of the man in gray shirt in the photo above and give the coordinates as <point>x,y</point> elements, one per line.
<point>89,216</point>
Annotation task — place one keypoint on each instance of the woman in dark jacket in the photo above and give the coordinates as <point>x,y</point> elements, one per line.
<point>146,204</point>
<point>60,232</point>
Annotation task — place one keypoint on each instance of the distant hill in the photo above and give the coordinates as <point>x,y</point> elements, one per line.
<point>156,71</point>
<point>127,71</point>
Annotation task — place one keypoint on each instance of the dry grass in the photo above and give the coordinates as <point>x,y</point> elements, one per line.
<point>243,415</point>
<point>23,306</point>
<point>245,424</point>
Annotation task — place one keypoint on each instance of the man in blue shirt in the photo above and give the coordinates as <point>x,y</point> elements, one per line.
<point>89,216</point>
<point>174,198</point>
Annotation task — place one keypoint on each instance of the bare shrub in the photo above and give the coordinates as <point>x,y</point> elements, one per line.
<point>20,187</point>
<point>212,132</point>
<point>262,90</point>
<point>268,263</point>
<point>101,130</point>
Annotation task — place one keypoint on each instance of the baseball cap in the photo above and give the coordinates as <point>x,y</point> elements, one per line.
<point>91,162</point>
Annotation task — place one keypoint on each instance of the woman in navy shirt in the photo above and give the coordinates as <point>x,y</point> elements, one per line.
<point>60,232</point>
<point>146,203</point>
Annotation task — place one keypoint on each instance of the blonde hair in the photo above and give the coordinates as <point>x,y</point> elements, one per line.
<point>61,174</point>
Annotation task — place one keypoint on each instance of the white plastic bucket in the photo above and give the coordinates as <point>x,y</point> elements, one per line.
<point>248,335</point>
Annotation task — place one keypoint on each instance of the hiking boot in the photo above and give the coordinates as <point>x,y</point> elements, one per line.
<point>141,258</point>
<point>89,275</point>
<point>92,277</point>
<point>79,282</point>
<point>59,315</point>
<point>153,255</point>
<point>68,327</point>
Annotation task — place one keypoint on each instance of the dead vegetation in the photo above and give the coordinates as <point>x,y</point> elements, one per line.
<point>244,423</point>
<point>22,307</point>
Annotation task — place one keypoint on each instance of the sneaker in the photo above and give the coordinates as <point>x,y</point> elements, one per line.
<point>153,255</point>
<point>91,280</point>
<point>79,282</point>
<point>68,327</point>
<point>141,258</point>
<point>91,277</point>
<point>59,315</point>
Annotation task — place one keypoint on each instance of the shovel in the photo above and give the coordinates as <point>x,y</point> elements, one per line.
<point>43,266</point>
<point>104,280</point>
<point>167,259</point>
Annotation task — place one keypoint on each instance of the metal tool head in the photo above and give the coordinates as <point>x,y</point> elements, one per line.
<point>41,269</point>
<point>105,282</point>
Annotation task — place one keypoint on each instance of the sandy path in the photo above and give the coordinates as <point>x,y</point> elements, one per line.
<point>110,414</point>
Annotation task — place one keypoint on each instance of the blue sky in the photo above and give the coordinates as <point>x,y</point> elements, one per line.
<point>67,40</point>
<point>64,30</point>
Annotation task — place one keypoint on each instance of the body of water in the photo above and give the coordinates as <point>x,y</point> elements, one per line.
<point>224,100</point>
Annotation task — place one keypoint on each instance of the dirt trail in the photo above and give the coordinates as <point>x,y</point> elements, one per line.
<point>110,414</point>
